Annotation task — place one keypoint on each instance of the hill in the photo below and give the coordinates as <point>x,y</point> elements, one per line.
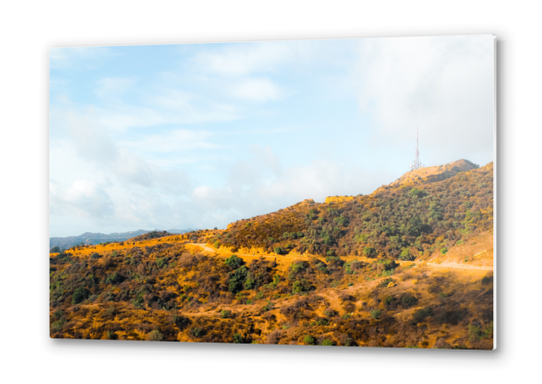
<point>409,218</point>
<point>89,238</point>
<point>410,265</point>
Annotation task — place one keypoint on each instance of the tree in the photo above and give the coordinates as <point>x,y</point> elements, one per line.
<point>237,279</point>
<point>369,252</point>
<point>279,250</point>
<point>80,295</point>
<point>414,227</point>
<point>234,261</point>
<point>405,255</point>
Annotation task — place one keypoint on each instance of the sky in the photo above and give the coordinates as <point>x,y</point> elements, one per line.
<point>201,135</point>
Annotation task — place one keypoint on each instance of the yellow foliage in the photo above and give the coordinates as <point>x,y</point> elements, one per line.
<point>338,199</point>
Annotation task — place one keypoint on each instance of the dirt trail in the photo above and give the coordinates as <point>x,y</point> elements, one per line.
<point>206,248</point>
<point>400,262</point>
<point>459,266</point>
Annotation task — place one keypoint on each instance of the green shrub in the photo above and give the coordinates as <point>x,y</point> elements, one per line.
<point>279,250</point>
<point>443,251</point>
<point>388,300</point>
<point>111,335</point>
<point>408,300</point>
<point>327,342</point>
<point>161,262</point>
<point>58,314</point>
<point>269,306</point>
<point>385,282</point>
<point>417,192</point>
<point>376,314</point>
<point>57,325</point>
<point>237,279</point>
<point>369,252</point>
<point>309,340</point>
<point>421,314</point>
<point>234,262</point>
<point>406,255</point>
<point>155,336</point>
<point>238,339</point>
<point>80,295</point>
<point>225,314</point>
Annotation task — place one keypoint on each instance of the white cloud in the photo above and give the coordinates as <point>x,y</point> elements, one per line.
<point>263,185</point>
<point>246,58</point>
<point>84,198</point>
<point>77,57</point>
<point>113,86</point>
<point>175,140</point>
<point>443,85</point>
<point>256,89</point>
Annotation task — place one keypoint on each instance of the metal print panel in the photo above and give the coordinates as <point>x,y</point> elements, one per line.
<point>317,192</point>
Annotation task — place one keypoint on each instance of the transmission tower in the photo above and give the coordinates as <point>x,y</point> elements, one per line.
<point>417,163</point>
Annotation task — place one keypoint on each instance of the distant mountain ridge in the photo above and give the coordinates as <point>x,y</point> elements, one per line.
<point>90,238</point>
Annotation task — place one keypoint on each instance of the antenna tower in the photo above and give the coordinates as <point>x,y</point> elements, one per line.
<point>417,163</point>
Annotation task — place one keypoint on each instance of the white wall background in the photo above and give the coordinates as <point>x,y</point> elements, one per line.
<point>29,29</point>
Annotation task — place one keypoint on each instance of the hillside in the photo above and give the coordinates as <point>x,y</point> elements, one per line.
<point>410,265</point>
<point>403,220</point>
<point>89,238</point>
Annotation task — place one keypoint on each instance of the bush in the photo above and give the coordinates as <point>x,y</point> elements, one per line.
<point>369,252</point>
<point>309,340</point>
<point>54,250</point>
<point>238,339</point>
<point>443,251</point>
<point>421,314</point>
<point>406,255</point>
<point>80,295</point>
<point>57,325</point>
<point>58,314</point>
<point>376,314</point>
<point>161,262</point>
<point>234,262</point>
<point>408,300</point>
<point>417,192</point>
<point>197,332</point>
<point>327,342</point>
<point>388,300</point>
<point>269,306</point>
<point>300,286</point>
<point>225,314</point>
<point>95,256</point>
<point>385,282</point>
<point>237,279</point>
<point>279,250</point>
<point>155,336</point>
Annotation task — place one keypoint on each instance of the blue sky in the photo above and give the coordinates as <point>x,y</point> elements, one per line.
<point>200,135</point>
